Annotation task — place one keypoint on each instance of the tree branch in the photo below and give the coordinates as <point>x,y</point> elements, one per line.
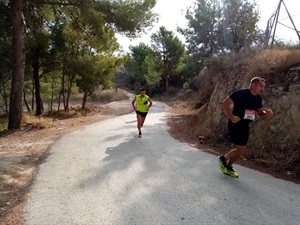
<point>55,2</point>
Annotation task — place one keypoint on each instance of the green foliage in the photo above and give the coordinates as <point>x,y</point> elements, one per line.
<point>151,71</point>
<point>169,50</point>
<point>5,37</point>
<point>189,67</point>
<point>154,66</point>
<point>220,26</point>
<point>239,24</point>
<point>216,27</point>
<point>5,52</point>
<point>3,121</point>
<point>186,85</point>
<point>60,32</point>
<point>142,66</point>
<point>140,52</point>
<point>93,71</point>
<point>127,17</point>
<point>202,31</point>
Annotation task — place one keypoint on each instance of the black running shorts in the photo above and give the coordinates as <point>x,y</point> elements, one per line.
<point>143,114</point>
<point>238,133</point>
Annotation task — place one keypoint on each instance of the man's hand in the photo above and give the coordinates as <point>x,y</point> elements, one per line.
<point>266,113</point>
<point>235,119</point>
<point>226,103</point>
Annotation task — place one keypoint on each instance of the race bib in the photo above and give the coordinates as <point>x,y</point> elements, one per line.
<point>249,115</point>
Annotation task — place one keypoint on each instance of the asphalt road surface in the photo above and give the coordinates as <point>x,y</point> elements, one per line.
<point>104,174</point>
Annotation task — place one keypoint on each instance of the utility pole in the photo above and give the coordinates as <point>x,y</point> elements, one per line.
<point>272,24</point>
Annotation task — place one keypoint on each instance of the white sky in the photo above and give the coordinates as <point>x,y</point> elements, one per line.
<point>171,14</point>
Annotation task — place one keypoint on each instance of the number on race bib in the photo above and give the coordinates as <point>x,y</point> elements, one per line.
<point>249,115</point>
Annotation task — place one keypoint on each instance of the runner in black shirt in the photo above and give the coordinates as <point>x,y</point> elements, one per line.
<point>246,104</point>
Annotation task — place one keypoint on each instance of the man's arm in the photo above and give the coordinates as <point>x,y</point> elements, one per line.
<point>264,113</point>
<point>150,103</point>
<point>133,104</point>
<point>226,103</point>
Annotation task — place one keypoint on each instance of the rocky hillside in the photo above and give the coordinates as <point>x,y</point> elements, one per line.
<point>273,141</point>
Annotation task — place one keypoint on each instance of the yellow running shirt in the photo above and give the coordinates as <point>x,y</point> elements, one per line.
<point>141,103</point>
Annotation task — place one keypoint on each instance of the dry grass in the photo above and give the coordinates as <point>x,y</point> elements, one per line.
<point>270,61</point>
<point>37,122</point>
<point>109,95</point>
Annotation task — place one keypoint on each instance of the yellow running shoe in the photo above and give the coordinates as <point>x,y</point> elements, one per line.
<point>231,172</point>
<point>223,164</point>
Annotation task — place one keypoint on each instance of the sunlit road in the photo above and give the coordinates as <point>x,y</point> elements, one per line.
<point>104,174</point>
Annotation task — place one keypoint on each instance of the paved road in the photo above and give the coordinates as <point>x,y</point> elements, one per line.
<point>104,174</point>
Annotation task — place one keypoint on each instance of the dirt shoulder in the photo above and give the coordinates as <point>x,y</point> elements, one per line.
<point>22,151</point>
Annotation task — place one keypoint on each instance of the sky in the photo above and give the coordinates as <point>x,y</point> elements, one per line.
<point>171,14</point>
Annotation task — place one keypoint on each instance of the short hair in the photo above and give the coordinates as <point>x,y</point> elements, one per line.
<point>142,89</point>
<point>255,80</point>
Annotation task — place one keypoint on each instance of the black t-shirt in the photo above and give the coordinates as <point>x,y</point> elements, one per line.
<point>244,100</point>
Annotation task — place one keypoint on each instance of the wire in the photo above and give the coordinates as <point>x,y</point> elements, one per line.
<point>289,17</point>
<point>288,26</point>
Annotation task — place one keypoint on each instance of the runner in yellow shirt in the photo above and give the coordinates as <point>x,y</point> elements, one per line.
<point>141,104</point>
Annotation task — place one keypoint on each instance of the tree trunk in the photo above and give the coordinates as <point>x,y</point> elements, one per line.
<point>167,82</point>
<point>27,106</point>
<point>84,100</point>
<point>32,95</point>
<point>18,51</point>
<point>4,93</point>
<point>37,85</point>
<point>62,88</point>
<point>70,84</point>
<point>52,93</point>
